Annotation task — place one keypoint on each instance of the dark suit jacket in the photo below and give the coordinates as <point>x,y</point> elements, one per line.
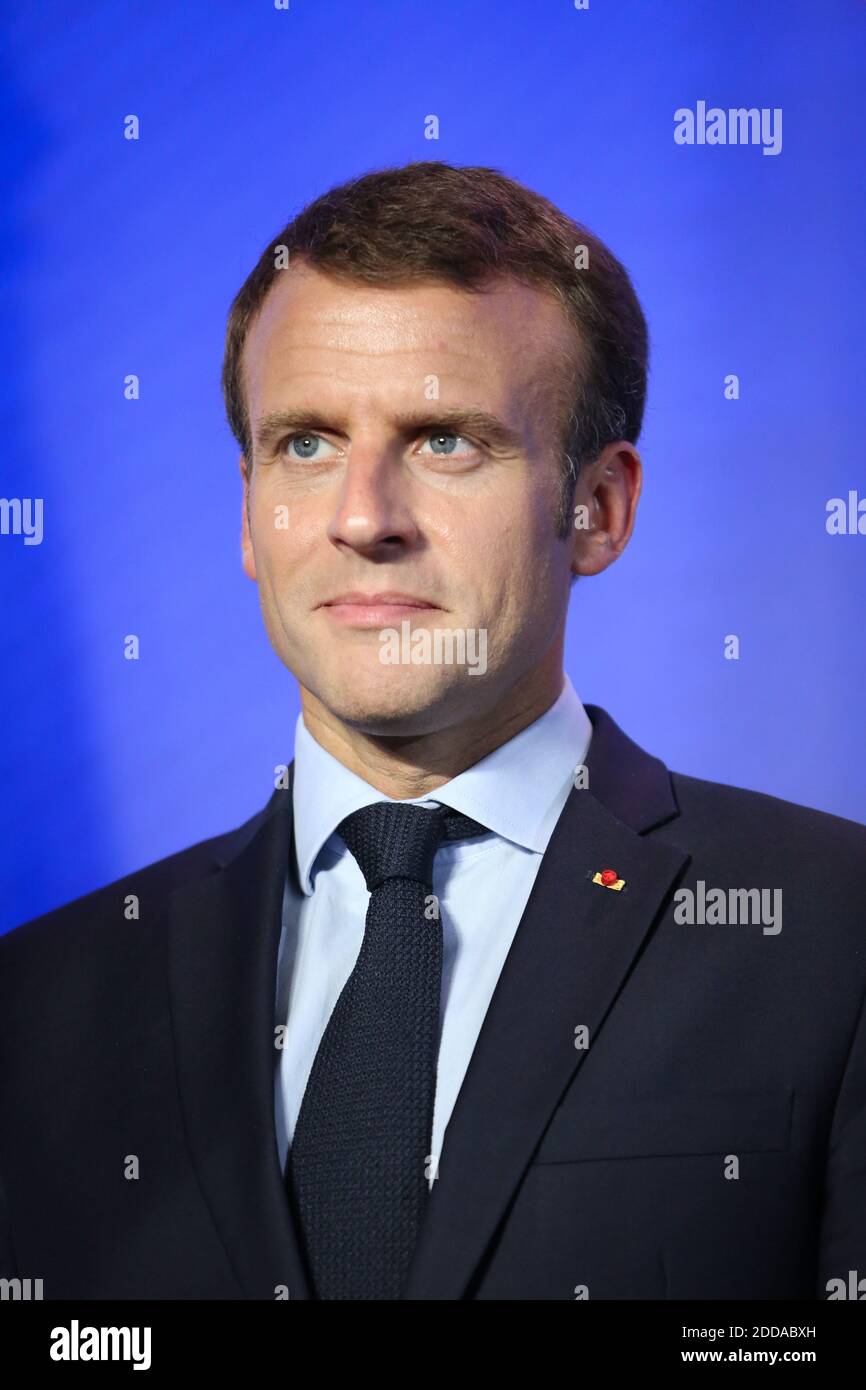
<point>606,1169</point>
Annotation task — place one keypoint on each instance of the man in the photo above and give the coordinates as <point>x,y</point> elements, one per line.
<point>486,1003</point>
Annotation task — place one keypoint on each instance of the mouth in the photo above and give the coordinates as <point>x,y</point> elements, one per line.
<point>375,610</point>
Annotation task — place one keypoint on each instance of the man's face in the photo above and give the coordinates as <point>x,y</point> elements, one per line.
<point>378,484</point>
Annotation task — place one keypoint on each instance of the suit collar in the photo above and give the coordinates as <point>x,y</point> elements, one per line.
<point>574,948</point>
<point>629,783</point>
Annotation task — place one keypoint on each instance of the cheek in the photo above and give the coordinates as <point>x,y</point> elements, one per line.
<point>513,540</point>
<point>282,533</point>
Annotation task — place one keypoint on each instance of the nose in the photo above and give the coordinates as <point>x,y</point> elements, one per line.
<point>372,512</point>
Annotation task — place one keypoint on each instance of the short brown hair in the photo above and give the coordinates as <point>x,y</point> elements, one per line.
<point>468,226</point>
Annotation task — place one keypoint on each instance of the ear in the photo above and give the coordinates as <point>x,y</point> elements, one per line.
<point>605,500</point>
<point>248,558</point>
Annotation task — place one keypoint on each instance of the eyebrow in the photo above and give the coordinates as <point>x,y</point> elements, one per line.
<point>455,419</point>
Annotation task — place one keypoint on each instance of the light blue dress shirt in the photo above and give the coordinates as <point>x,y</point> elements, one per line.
<point>482,885</point>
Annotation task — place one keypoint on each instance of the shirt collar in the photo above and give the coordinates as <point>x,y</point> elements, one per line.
<point>517,791</point>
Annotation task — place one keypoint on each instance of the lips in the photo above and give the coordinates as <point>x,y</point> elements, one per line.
<point>387,608</point>
<point>387,599</point>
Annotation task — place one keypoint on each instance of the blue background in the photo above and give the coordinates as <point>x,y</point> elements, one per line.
<point>123,257</point>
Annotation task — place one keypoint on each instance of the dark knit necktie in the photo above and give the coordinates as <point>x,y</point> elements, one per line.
<point>357,1166</point>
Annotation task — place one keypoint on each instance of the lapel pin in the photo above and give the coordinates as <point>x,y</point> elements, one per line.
<point>609,878</point>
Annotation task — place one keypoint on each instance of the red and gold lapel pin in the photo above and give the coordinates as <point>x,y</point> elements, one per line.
<point>609,878</point>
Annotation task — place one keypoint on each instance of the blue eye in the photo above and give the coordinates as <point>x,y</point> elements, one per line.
<point>307,445</point>
<point>446,440</point>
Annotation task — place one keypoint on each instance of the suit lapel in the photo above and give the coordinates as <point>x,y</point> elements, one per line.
<point>223,942</point>
<point>571,953</point>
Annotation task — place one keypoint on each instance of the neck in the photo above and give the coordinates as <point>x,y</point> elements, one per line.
<point>410,766</point>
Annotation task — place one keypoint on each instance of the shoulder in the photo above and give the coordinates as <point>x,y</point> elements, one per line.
<point>91,920</point>
<point>739,810</point>
<point>754,829</point>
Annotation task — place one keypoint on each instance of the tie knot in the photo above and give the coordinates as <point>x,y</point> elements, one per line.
<point>392,840</point>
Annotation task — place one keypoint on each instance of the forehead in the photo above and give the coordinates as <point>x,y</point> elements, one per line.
<point>313,331</point>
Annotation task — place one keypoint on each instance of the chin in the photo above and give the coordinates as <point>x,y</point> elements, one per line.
<point>398,702</point>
